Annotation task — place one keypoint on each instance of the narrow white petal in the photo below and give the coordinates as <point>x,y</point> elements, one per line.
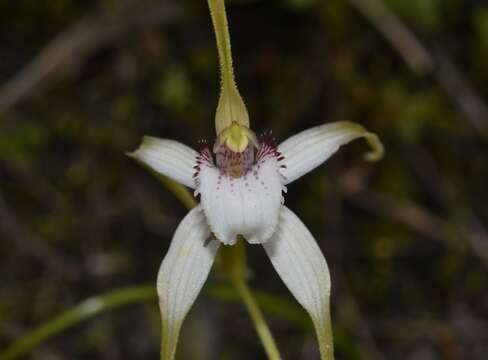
<point>247,206</point>
<point>182,274</point>
<point>308,149</point>
<point>299,262</point>
<point>168,157</point>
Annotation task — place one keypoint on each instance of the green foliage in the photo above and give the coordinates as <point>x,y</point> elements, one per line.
<point>175,91</point>
<point>22,142</point>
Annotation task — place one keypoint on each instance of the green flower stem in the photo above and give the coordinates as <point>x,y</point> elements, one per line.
<point>270,304</point>
<point>233,260</point>
<point>112,300</point>
<point>221,28</point>
<point>81,312</point>
<point>257,317</point>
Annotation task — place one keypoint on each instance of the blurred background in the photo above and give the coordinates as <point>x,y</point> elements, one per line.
<point>406,238</point>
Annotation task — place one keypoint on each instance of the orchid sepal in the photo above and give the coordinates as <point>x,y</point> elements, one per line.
<point>299,262</point>
<point>182,275</point>
<point>167,157</point>
<point>310,148</point>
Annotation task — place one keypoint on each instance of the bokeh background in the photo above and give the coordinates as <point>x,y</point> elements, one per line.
<point>406,238</point>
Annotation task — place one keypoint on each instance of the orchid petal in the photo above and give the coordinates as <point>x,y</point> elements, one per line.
<point>182,274</point>
<point>247,206</point>
<point>168,157</point>
<point>308,149</point>
<point>299,262</point>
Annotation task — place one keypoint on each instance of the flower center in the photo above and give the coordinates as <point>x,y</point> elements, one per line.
<point>234,150</point>
<point>233,163</point>
<point>241,192</point>
<point>237,152</point>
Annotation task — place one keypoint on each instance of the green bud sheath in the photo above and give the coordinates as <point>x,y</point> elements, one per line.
<point>231,107</point>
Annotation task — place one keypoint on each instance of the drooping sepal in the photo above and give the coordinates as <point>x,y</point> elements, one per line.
<point>299,262</point>
<point>182,274</point>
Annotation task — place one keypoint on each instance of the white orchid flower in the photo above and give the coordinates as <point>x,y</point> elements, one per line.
<point>241,182</point>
